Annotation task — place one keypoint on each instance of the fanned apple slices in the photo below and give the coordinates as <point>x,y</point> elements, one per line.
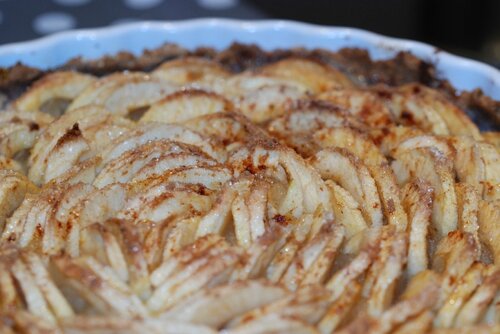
<point>62,87</point>
<point>191,70</point>
<point>184,105</point>
<point>124,92</point>
<point>283,199</point>
<point>315,75</point>
<point>19,131</point>
<point>414,104</point>
<point>71,139</point>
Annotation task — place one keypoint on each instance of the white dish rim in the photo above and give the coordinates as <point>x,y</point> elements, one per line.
<point>463,73</point>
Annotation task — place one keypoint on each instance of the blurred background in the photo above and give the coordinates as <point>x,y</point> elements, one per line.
<point>466,27</point>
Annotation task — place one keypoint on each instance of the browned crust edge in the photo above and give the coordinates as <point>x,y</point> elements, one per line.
<point>356,63</point>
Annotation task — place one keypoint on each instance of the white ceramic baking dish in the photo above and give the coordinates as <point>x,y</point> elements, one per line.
<point>54,50</point>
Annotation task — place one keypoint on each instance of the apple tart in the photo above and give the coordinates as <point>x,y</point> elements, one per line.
<point>286,198</point>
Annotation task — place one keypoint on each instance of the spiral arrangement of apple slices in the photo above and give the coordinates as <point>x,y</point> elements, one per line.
<point>284,199</point>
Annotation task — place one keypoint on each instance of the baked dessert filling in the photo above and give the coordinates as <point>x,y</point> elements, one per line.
<point>284,198</point>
